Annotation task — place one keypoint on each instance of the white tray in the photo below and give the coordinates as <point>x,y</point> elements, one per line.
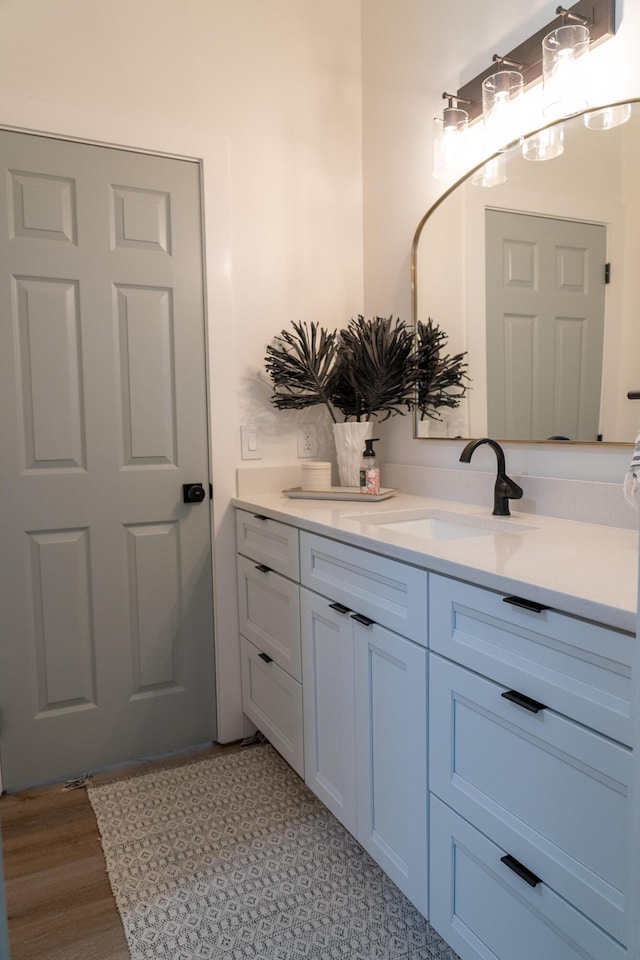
<point>340,493</point>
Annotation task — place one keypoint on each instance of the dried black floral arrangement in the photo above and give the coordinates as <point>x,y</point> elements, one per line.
<point>303,367</point>
<point>442,379</point>
<point>373,368</point>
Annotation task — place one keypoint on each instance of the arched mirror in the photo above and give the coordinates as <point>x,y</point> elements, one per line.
<point>529,264</point>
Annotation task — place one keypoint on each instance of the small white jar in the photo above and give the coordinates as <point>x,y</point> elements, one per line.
<point>316,475</point>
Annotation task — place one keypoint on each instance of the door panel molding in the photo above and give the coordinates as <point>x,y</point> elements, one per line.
<point>64,635</point>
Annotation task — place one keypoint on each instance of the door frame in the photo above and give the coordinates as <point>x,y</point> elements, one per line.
<point>211,152</point>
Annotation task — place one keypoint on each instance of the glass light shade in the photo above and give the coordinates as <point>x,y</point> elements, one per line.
<point>564,71</point>
<point>448,155</point>
<point>608,117</point>
<point>500,93</point>
<point>492,173</point>
<point>544,145</point>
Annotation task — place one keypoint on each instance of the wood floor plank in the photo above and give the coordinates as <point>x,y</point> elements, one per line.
<point>59,899</point>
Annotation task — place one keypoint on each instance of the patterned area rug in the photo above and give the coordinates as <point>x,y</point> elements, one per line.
<point>233,857</point>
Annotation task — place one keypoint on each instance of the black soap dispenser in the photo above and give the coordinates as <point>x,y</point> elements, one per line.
<point>369,469</point>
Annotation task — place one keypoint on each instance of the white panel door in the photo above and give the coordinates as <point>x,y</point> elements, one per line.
<point>545,326</point>
<point>106,587</point>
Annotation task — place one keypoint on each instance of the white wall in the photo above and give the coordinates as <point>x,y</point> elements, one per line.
<point>281,79</point>
<point>412,51</point>
<point>276,86</point>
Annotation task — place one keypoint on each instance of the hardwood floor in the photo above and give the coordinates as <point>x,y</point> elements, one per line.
<point>59,900</point>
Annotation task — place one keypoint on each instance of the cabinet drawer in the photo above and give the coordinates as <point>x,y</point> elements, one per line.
<point>393,594</point>
<point>578,668</point>
<point>273,701</point>
<point>268,541</point>
<point>269,610</point>
<point>485,911</point>
<point>549,790</point>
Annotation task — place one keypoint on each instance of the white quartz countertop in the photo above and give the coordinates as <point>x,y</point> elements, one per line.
<point>584,569</point>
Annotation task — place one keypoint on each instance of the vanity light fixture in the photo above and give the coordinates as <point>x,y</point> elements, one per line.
<point>564,69</point>
<point>557,54</point>
<point>500,94</point>
<point>544,145</point>
<point>448,129</point>
<point>597,17</point>
<point>608,117</point>
<point>492,173</point>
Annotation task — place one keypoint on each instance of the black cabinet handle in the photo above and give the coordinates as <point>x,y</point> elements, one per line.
<point>360,618</point>
<point>263,568</point>
<point>339,607</point>
<point>526,604</point>
<point>259,516</point>
<point>533,706</point>
<point>521,870</point>
<point>633,395</point>
<point>265,657</point>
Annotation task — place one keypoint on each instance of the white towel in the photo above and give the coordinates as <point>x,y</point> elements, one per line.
<point>631,485</point>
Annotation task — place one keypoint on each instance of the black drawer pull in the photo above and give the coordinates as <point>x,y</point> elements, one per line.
<point>339,607</point>
<point>265,657</point>
<point>259,516</point>
<point>360,618</point>
<point>521,870</point>
<point>263,568</point>
<point>533,706</point>
<point>526,604</point>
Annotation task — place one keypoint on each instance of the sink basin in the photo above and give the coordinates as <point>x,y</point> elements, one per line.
<point>431,524</point>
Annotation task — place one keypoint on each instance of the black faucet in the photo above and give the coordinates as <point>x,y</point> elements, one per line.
<point>505,489</point>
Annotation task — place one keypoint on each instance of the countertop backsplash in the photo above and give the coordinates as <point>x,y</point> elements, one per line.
<point>584,501</point>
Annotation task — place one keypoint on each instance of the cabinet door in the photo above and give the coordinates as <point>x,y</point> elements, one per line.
<point>269,611</point>
<point>327,677</point>
<point>578,668</point>
<point>273,701</point>
<point>391,757</point>
<point>486,910</point>
<point>268,541</point>
<point>392,593</point>
<point>553,793</point>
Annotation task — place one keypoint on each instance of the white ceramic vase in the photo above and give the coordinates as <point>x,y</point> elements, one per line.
<point>349,439</point>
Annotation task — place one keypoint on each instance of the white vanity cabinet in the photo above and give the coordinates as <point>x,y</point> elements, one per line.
<point>269,614</point>
<point>365,701</point>
<point>517,718</point>
<point>529,772</point>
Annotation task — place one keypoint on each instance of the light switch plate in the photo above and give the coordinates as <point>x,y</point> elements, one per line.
<point>250,442</point>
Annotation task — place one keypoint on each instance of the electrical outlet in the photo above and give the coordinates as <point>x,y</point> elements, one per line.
<point>307,441</point>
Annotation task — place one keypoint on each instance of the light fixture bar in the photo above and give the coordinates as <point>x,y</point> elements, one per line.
<point>454,96</point>
<point>601,16</point>
<point>505,62</point>
<point>570,15</point>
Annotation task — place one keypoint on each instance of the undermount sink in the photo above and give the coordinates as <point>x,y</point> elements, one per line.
<point>431,524</point>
